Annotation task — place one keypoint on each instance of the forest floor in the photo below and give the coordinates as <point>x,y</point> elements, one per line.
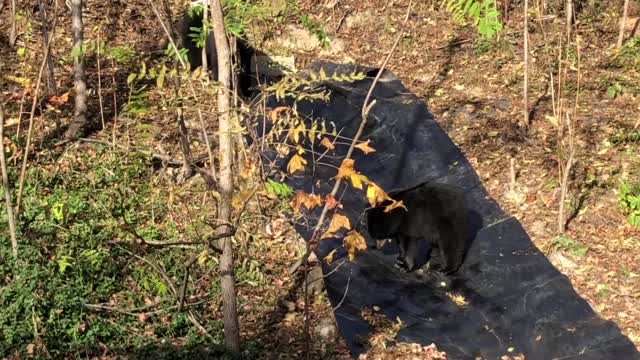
<point>474,90</point>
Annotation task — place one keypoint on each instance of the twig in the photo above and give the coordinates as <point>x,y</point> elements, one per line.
<point>366,108</point>
<point>99,78</point>
<point>191,88</point>
<point>344,296</point>
<point>525,94</point>
<point>36,91</point>
<point>7,192</point>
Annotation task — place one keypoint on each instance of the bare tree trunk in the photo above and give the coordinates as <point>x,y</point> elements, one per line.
<point>525,94</point>
<point>13,35</point>
<point>231,326</point>
<point>7,192</point>
<point>622,23</point>
<point>80,114</point>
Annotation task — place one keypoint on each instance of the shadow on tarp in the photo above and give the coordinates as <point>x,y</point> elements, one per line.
<point>517,302</point>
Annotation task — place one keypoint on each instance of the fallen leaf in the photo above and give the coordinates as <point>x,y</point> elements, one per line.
<point>364,146</point>
<point>337,222</point>
<point>327,143</point>
<point>352,242</point>
<point>59,100</point>
<point>296,163</point>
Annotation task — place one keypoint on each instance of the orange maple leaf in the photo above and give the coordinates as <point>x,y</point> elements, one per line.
<point>337,222</point>
<point>296,163</point>
<point>364,146</point>
<point>352,242</point>
<point>327,143</point>
<point>308,200</point>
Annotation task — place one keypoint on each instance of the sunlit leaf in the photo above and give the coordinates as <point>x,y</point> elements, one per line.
<point>308,200</point>
<point>329,257</point>
<point>375,194</point>
<point>276,112</point>
<point>296,163</point>
<point>357,180</point>
<point>337,222</point>
<point>327,143</point>
<point>353,242</point>
<point>346,169</point>
<point>394,205</point>
<point>331,202</point>
<point>364,146</point>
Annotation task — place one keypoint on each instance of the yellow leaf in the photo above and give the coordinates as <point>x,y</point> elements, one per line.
<point>294,133</point>
<point>337,222</point>
<point>394,204</point>
<point>352,242</point>
<point>299,149</point>
<point>346,169</point>
<point>329,257</point>
<point>375,194</point>
<point>202,257</point>
<point>357,180</point>
<point>364,146</point>
<point>327,143</point>
<point>296,163</point>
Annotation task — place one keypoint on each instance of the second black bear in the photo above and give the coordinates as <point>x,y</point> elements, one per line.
<point>432,228</point>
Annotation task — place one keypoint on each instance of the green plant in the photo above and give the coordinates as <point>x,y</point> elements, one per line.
<point>277,188</point>
<point>483,13</point>
<point>314,28</point>
<point>565,243</point>
<point>629,200</point>
<point>614,90</point>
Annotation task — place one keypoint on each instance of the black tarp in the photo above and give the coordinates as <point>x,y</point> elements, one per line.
<point>517,301</point>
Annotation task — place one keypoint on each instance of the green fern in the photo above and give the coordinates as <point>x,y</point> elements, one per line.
<point>483,13</point>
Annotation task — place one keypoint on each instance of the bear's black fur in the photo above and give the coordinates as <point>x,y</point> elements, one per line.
<point>434,227</point>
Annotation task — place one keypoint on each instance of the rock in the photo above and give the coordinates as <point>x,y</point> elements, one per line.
<point>326,329</point>
<point>561,261</point>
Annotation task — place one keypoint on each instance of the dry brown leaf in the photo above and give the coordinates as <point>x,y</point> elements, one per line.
<point>294,133</point>
<point>346,169</point>
<point>327,143</point>
<point>275,112</point>
<point>337,222</point>
<point>58,100</point>
<point>331,202</point>
<point>394,204</point>
<point>352,242</point>
<point>296,163</point>
<point>329,257</point>
<point>308,200</point>
<point>364,146</point>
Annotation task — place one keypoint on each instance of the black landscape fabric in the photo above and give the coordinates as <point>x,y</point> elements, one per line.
<point>517,302</point>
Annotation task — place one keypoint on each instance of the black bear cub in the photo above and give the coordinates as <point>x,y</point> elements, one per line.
<point>432,228</point>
